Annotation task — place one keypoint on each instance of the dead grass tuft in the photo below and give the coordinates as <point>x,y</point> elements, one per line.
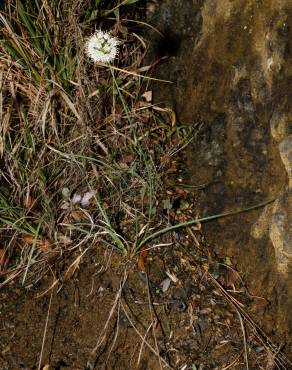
<point>71,128</point>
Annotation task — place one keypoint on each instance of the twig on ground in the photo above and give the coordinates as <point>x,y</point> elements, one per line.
<point>45,332</point>
<point>92,357</point>
<point>244,340</point>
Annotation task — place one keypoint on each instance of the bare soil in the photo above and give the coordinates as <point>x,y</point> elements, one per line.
<point>109,312</point>
<point>177,305</point>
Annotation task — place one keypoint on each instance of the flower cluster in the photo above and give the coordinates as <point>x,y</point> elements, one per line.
<point>102,47</point>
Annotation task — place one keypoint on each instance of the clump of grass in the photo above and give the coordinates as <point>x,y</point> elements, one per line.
<point>71,127</point>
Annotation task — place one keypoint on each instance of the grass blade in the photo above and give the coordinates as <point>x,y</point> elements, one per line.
<point>200,220</point>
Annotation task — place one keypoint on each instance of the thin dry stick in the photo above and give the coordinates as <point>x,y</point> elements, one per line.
<point>12,277</point>
<point>92,357</point>
<point>116,333</point>
<point>152,319</point>
<point>45,331</point>
<point>233,362</point>
<point>244,339</point>
<point>138,22</point>
<point>133,73</point>
<point>261,335</point>
<point>50,288</point>
<point>142,338</point>
<point>142,344</point>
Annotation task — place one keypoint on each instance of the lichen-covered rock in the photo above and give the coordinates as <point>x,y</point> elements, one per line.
<point>285,149</point>
<point>281,125</point>
<point>281,222</point>
<point>281,231</point>
<point>260,228</point>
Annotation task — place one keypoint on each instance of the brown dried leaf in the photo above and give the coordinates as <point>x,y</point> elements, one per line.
<point>165,160</point>
<point>231,278</point>
<point>29,202</point>
<point>142,260</point>
<point>77,215</point>
<point>259,305</point>
<point>74,216</point>
<point>64,239</point>
<point>28,239</point>
<point>182,192</point>
<point>43,244</point>
<point>3,257</point>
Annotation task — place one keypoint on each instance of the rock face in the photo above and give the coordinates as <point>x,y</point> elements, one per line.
<point>281,223</point>
<point>232,68</point>
<point>280,231</point>
<point>285,148</point>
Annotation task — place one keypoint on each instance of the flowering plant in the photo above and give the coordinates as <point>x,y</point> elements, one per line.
<point>102,47</point>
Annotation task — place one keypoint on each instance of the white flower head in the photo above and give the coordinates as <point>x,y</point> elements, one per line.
<point>87,198</point>
<point>102,47</point>
<point>76,198</point>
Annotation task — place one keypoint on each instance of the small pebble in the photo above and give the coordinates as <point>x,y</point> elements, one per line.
<point>165,284</point>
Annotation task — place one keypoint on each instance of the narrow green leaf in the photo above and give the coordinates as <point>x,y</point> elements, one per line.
<point>14,54</point>
<point>129,2</point>
<point>200,220</point>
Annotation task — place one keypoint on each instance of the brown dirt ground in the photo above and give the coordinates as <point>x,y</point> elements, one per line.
<point>191,324</point>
